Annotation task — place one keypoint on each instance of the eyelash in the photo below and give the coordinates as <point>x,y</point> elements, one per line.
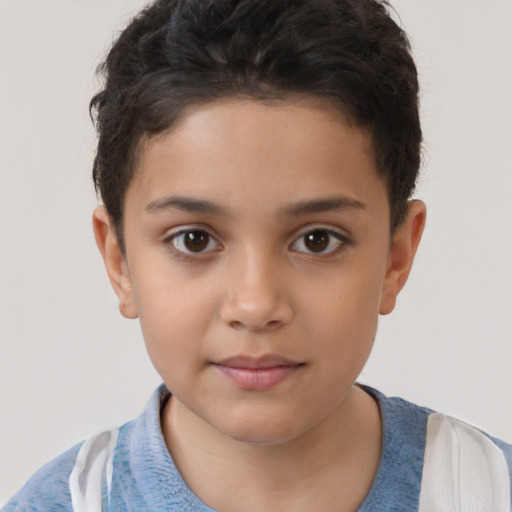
<point>174,239</point>
<point>176,243</point>
<point>342,241</point>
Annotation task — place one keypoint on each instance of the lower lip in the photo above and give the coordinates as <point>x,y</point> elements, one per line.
<point>258,379</point>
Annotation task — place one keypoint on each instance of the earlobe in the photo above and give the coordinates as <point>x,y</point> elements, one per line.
<point>115,261</point>
<point>401,255</point>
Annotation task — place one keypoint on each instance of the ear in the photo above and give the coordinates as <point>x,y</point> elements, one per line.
<point>401,255</point>
<point>115,261</point>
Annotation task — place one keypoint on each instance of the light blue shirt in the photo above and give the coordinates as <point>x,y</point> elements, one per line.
<point>145,478</point>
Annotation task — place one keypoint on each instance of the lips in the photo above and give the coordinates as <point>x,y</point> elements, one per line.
<point>258,374</point>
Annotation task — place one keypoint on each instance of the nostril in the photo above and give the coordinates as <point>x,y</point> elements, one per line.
<point>235,324</point>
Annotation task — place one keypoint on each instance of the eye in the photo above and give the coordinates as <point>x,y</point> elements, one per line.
<point>193,241</point>
<point>319,241</point>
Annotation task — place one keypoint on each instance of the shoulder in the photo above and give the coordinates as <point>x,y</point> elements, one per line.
<point>76,479</point>
<point>424,427</point>
<point>432,456</point>
<point>48,489</point>
<point>464,465</point>
<point>81,478</point>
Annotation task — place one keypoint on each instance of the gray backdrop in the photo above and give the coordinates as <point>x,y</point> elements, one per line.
<point>70,365</point>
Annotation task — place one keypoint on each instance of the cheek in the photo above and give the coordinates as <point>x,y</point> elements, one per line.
<point>350,298</point>
<point>174,314</point>
<point>344,315</point>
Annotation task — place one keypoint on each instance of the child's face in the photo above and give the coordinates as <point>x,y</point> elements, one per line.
<point>258,257</point>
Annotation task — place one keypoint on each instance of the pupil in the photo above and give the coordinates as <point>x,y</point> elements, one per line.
<point>196,241</point>
<point>317,241</point>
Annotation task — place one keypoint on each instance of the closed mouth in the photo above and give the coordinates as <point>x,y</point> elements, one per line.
<point>258,373</point>
<point>255,363</point>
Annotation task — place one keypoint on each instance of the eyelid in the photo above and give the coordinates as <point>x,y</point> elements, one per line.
<point>174,233</point>
<point>336,232</point>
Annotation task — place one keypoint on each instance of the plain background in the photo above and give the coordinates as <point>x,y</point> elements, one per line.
<point>70,365</point>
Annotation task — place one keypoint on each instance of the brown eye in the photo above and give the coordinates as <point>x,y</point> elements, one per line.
<point>194,241</point>
<point>317,241</point>
<point>320,241</point>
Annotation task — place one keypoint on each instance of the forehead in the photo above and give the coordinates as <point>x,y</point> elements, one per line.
<point>249,152</point>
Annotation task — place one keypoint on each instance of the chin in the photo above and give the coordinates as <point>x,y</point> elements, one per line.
<point>260,438</point>
<point>263,432</point>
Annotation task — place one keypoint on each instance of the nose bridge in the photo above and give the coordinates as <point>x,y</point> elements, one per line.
<point>256,297</point>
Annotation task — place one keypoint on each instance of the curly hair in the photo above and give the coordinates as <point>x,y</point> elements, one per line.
<point>175,53</point>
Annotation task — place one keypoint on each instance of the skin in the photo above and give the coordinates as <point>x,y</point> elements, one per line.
<point>256,180</point>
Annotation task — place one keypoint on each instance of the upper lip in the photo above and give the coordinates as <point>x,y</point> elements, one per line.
<point>261,362</point>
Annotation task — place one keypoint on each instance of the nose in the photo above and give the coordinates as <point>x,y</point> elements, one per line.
<point>256,297</point>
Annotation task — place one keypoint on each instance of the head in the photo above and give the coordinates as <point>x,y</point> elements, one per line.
<point>255,161</point>
<point>179,53</point>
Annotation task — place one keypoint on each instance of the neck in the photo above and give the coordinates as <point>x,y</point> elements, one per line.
<point>333,463</point>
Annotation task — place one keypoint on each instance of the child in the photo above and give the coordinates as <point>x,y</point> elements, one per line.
<point>255,161</point>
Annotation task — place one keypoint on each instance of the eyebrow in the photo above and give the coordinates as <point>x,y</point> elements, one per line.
<point>192,205</point>
<point>186,204</point>
<point>326,204</point>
